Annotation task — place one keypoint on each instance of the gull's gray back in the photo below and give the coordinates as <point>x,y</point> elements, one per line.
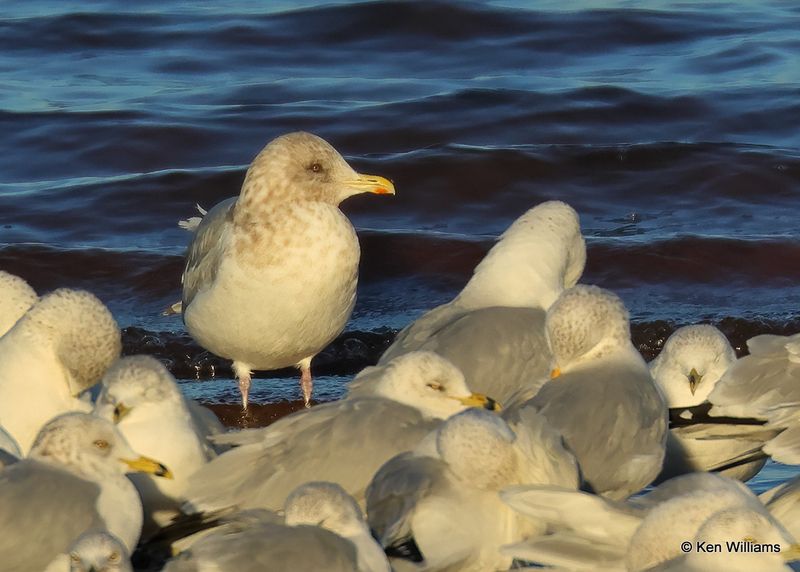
<point>268,548</point>
<point>43,510</point>
<point>613,419</point>
<point>498,349</point>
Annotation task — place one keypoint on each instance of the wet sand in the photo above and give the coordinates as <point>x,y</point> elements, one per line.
<point>232,416</point>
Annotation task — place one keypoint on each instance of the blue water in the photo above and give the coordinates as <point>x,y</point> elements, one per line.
<point>670,126</point>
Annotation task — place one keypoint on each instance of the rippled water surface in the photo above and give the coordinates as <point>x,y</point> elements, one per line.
<point>670,126</point>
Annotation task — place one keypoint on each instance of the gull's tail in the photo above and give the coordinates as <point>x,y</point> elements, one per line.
<point>192,223</point>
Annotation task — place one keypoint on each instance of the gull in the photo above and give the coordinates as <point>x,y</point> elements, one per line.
<point>601,398</point>
<point>56,351</point>
<point>765,385</point>
<point>343,442</point>
<point>439,505</point>
<point>16,297</point>
<point>494,329</point>
<point>323,529</point>
<point>694,358</point>
<point>72,481</point>
<point>593,533</point>
<point>143,399</point>
<point>270,276</point>
<point>99,552</point>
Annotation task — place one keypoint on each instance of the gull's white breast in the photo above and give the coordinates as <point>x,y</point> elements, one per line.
<point>284,289</point>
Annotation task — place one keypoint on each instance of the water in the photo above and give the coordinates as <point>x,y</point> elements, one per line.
<point>670,126</point>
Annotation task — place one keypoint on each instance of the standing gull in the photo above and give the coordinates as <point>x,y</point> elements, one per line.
<point>494,329</point>
<point>55,352</point>
<point>16,296</point>
<point>270,275</point>
<point>601,398</point>
<point>692,361</point>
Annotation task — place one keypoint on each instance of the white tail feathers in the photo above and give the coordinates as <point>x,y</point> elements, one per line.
<point>192,223</point>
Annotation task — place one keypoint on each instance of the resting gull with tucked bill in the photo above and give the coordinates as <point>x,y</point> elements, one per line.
<point>601,398</point>
<point>52,355</point>
<point>494,329</point>
<point>270,275</point>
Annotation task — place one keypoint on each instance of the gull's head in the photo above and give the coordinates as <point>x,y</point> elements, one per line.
<point>747,527</point>
<point>99,552</point>
<point>430,383</point>
<point>135,382</point>
<point>16,298</point>
<point>81,332</point>
<point>478,447</point>
<point>324,504</point>
<point>90,447</point>
<point>692,361</point>
<point>585,323</point>
<point>539,255</point>
<point>302,166</point>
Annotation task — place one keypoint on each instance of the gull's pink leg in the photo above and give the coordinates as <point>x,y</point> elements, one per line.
<point>244,375</point>
<point>306,383</point>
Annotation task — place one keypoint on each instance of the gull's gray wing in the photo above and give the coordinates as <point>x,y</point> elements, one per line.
<point>394,492</point>
<point>762,385</point>
<point>613,420</point>
<point>498,349</point>
<point>267,548</point>
<point>43,510</point>
<point>343,442</point>
<point>207,425</point>
<point>205,250</point>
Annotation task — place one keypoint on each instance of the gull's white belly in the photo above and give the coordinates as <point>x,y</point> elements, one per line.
<point>280,298</point>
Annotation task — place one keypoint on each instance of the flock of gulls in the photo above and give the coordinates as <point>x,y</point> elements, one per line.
<point>515,427</point>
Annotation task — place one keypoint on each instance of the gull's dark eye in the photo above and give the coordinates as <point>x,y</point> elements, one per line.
<point>435,386</point>
<point>315,168</point>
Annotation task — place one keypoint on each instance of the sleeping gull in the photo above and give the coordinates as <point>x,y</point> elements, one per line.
<point>593,533</point>
<point>270,275</point>
<point>441,505</point>
<point>324,529</point>
<point>343,442</point>
<point>99,552</point>
<point>692,361</point>
<point>765,385</point>
<point>142,398</point>
<point>601,398</point>
<point>16,296</point>
<point>57,350</point>
<point>72,481</point>
<point>494,329</point>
